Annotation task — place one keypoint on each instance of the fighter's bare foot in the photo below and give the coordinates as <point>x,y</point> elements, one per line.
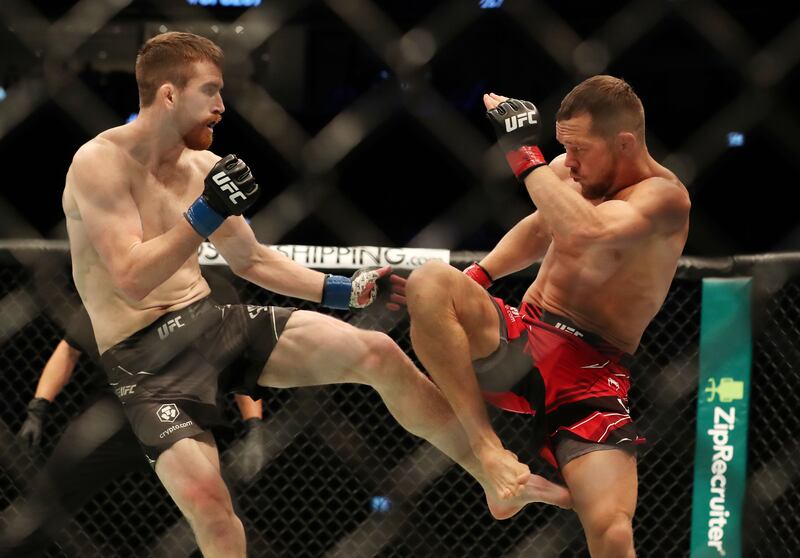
<point>505,475</point>
<point>535,489</point>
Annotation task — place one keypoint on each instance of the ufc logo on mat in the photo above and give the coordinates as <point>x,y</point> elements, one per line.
<point>169,327</point>
<point>224,182</point>
<point>519,120</point>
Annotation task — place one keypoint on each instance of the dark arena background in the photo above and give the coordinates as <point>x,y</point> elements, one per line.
<point>362,121</point>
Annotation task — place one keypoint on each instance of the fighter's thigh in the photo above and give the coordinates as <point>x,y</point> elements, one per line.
<point>316,349</point>
<point>189,470</point>
<point>438,291</point>
<point>604,486</point>
<point>478,315</point>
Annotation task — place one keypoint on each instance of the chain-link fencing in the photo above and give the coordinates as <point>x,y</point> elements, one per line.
<point>329,100</point>
<point>344,479</point>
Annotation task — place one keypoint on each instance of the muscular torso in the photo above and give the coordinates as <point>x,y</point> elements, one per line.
<point>161,201</point>
<point>613,292</point>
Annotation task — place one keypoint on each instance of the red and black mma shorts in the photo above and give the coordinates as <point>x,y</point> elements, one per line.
<point>545,361</point>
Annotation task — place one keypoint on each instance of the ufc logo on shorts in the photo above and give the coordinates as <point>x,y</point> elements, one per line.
<point>254,311</point>
<point>568,329</point>
<point>514,122</point>
<point>125,390</point>
<point>171,325</point>
<point>224,182</point>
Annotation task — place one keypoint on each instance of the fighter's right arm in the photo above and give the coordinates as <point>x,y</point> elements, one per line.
<point>112,222</point>
<point>526,242</point>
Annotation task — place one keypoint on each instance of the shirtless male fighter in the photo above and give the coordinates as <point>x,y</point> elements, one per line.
<point>610,224</point>
<point>139,200</point>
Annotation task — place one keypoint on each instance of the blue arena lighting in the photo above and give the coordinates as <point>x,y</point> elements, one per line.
<point>225,3</point>
<point>735,139</point>
<point>380,504</point>
<point>490,4</point>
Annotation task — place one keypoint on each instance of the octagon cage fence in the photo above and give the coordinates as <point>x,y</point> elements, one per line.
<point>343,479</point>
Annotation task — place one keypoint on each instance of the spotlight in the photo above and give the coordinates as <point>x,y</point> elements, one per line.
<point>380,504</point>
<point>735,139</point>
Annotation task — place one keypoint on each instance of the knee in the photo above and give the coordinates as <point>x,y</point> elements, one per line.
<point>380,351</point>
<point>223,527</point>
<point>429,286</point>
<point>615,536</point>
<point>209,508</point>
<point>430,275</point>
<point>619,535</point>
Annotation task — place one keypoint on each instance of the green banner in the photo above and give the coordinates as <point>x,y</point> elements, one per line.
<point>720,463</point>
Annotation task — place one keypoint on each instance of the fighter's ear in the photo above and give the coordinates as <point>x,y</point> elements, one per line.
<point>626,143</point>
<point>166,94</point>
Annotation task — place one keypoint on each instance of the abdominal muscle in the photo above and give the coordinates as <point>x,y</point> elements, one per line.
<point>115,316</point>
<point>611,295</point>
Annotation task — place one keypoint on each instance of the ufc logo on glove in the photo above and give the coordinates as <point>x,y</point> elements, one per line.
<point>514,122</point>
<point>224,182</point>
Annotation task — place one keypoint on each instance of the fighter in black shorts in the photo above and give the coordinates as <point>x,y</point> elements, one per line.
<point>139,199</point>
<point>169,375</point>
<point>97,447</point>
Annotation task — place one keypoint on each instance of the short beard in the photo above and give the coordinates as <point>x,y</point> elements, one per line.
<point>599,189</point>
<point>591,192</point>
<point>199,138</point>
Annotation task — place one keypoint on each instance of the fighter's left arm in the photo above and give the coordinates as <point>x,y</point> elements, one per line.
<point>271,270</point>
<point>263,265</point>
<point>655,207</point>
<point>257,263</point>
<point>562,207</point>
<point>275,272</point>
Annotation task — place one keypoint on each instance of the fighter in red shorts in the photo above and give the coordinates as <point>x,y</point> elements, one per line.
<point>580,381</point>
<point>610,225</point>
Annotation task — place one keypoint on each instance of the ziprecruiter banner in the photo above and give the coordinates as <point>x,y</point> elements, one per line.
<point>720,465</point>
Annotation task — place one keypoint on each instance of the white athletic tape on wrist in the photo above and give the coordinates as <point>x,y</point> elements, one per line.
<point>360,282</point>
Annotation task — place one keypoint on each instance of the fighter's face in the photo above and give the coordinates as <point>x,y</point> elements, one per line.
<point>591,159</point>
<point>200,106</point>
